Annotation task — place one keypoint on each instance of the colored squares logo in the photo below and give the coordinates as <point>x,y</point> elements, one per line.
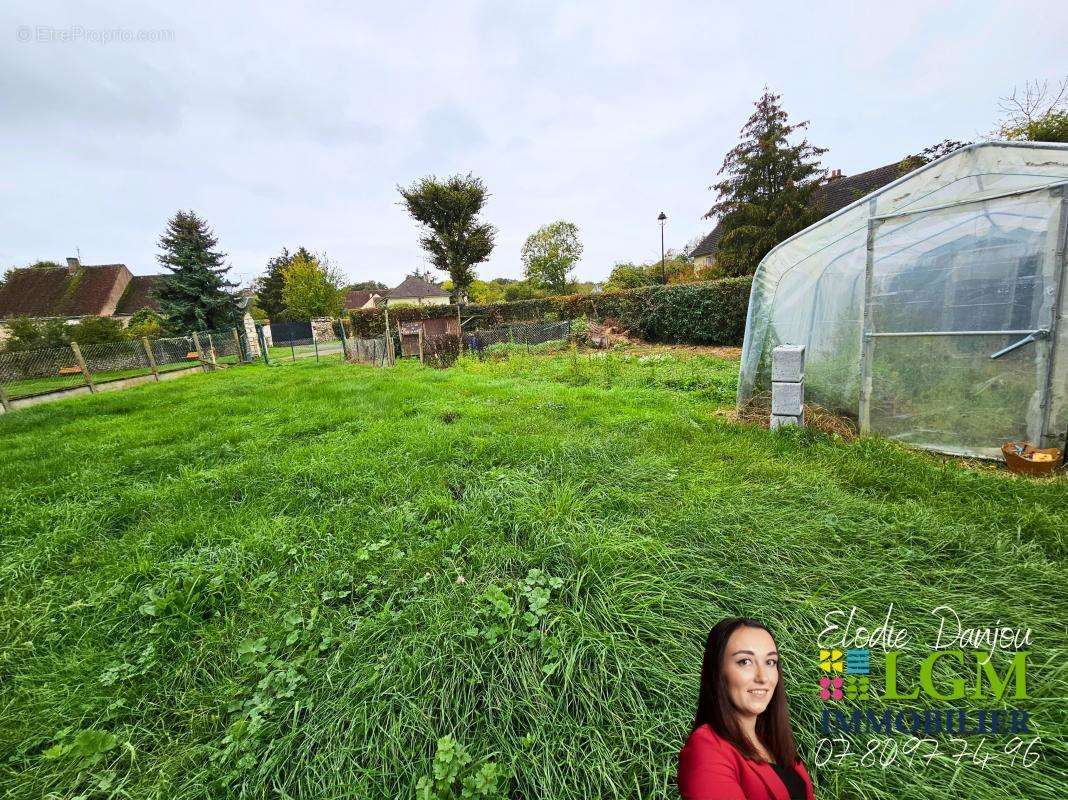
<point>857,687</point>
<point>858,661</point>
<point>830,688</point>
<point>831,660</point>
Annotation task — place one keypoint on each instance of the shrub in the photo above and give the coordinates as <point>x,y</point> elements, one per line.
<point>97,330</point>
<point>147,322</point>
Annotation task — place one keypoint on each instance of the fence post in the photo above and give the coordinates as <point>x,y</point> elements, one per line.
<point>81,364</point>
<point>389,336</point>
<point>200,352</point>
<point>211,349</point>
<point>263,344</point>
<point>315,344</point>
<point>344,344</point>
<point>292,350</point>
<point>3,399</point>
<point>151,358</point>
<point>421,343</point>
<point>240,349</point>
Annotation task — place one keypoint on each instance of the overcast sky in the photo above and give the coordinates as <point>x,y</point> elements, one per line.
<point>288,126</point>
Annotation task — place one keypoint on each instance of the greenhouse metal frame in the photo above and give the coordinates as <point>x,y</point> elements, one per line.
<point>930,309</point>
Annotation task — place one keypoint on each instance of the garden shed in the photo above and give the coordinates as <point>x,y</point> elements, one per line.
<point>932,309</point>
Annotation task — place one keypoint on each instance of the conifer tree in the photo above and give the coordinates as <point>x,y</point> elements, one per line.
<point>269,286</point>
<point>195,295</point>
<point>766,194</point>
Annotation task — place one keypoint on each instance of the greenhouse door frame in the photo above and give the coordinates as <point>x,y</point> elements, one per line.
<point>1060,254</point>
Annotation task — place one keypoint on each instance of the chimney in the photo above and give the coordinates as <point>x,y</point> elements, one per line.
<point>835,175</point>
<point>72,265</point>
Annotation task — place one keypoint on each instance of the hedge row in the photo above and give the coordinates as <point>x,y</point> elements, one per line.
<point>712,312</point>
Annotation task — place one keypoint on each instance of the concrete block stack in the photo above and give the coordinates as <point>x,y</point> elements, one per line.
<point>787,386</point>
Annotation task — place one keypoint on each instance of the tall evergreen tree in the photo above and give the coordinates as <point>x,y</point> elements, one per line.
<point>765,196</point>
<point>269,286</point>
<point>195,295</point>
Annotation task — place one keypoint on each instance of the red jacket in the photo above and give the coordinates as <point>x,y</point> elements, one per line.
<point>711,768</point>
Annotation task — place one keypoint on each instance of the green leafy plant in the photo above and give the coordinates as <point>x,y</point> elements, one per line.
<point>455,778</point>
<point>190,595</point>
<point>499,616</point>
<point>128,670</point>
<point>87,746</point>
<point>281,662</point>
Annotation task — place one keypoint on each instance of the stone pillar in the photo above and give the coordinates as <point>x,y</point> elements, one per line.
<point>322,329</point>
<point>249,324</point>
<point>787,386</point>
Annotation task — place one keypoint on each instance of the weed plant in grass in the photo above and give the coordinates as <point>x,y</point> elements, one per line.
<point>294,581</point>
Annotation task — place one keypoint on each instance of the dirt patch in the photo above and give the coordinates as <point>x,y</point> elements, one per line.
<point>612,335</point>
<point>758,412</point>
<point>727,353</point>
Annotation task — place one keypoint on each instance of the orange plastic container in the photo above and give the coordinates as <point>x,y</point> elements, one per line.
<point>1025,464</point>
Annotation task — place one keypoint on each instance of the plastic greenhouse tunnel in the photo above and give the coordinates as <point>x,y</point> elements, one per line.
<point>932,310</point>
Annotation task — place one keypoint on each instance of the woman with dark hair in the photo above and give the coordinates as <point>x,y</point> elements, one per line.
<point>741,746</point>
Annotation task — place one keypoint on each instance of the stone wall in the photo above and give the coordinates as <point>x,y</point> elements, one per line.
<point>323,329</point>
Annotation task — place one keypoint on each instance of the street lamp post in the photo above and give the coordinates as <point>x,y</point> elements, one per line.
<point>663,268</point>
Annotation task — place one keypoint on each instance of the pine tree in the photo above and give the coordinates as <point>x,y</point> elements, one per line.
<point>766,195</point>
<point>269,286</point>
<point>194,297</point>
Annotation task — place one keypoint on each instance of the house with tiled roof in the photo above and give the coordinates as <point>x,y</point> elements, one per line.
<point>416,291</point>
<point>835,193</point>
<point>356,299</point>
<point>75,291</point>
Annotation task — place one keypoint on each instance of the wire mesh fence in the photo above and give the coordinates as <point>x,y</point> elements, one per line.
<point>28,374</point>
<point>441,351</point>
<point>222,346</point>
<point>374,352</point>
<point>297,349</point>
<point>520,333</point>
<point>176,352</point>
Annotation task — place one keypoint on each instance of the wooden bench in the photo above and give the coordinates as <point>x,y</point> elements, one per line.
<point>191,356</point>
<point>70,370</point>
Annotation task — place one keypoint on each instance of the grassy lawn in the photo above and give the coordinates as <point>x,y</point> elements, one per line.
<point>282,353</point>
<point>290,582</point>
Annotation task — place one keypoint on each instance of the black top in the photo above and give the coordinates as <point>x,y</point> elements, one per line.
<point>791,779</point>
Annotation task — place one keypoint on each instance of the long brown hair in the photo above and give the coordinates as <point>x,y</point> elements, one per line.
<point>714,705</point>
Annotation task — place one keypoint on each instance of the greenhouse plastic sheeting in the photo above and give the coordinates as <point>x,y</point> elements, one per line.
<point>902,298</point>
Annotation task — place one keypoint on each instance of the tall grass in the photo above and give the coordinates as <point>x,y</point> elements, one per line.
<point>291,582</point>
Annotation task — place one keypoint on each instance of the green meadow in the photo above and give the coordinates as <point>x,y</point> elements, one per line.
<point>333,581</point>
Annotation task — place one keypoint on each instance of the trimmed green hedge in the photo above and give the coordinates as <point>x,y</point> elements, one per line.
<point>712,312</point>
